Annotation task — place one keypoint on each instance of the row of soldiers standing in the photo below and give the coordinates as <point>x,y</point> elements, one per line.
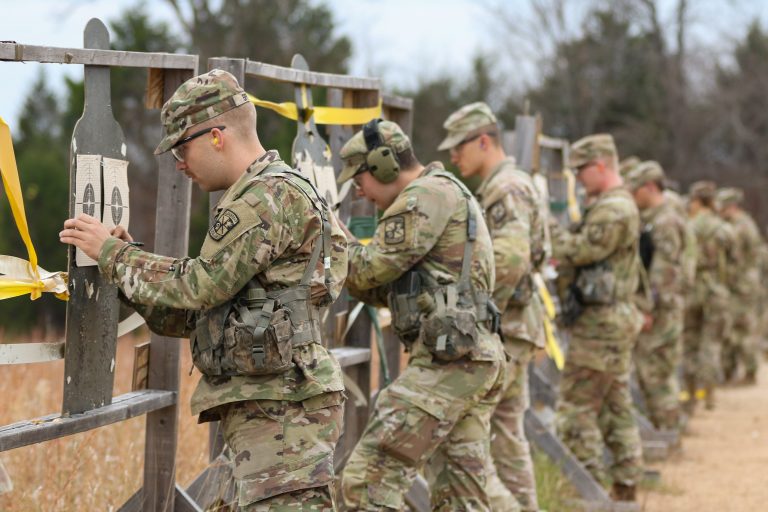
<point>639,263</point>
<point>455,270</point>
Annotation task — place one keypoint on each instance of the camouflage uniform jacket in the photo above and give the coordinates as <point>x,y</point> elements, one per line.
<point>426,225</point>
<point>609,233</point>
<point>665,275</point>
<point>744,277</point>
<point>265,228</point>
<point>512,210</point>
<point>715,239</point>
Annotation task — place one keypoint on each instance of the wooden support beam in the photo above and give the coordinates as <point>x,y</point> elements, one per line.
<point>295,76</point>
<point>174,192</point>
<point>95,57</point>
<point>54,426</point>
<point>213,485</point>
<point>351,356</point>
<point>587,487</point>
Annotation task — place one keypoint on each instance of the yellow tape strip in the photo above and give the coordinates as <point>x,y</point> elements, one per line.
<point>573,205</point>
<point>322,115</point>
<point>21,277</point>
<point>552,347</point>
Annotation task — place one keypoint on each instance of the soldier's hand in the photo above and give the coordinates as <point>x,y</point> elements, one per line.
<point>122,233</point>
<point>86,233</point>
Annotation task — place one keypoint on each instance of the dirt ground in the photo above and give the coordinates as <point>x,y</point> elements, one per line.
<point>724,458</point>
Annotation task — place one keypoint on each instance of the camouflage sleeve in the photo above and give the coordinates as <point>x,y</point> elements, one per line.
<point>665,274</point>
<point>242,251</point>
<point>404,235</point>
<point>509,221</point>
<point>603,230</point>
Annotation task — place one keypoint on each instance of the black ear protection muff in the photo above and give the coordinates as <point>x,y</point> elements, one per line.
<point>381,160</point>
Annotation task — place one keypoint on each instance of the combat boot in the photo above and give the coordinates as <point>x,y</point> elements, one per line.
<point>621,492</point>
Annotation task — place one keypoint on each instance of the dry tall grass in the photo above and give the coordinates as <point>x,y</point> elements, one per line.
<point>95,470</point>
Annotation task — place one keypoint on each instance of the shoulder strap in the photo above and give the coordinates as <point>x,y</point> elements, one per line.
<point>303,184</point>
<point>464,284</point>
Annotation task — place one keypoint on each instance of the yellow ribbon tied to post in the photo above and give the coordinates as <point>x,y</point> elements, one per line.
<point>322,115</point>
<point>552,347</point>
<point>18,276</point>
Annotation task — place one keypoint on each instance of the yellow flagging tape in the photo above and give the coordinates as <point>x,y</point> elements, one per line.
<point>573,205</point>
<point>18,276</point>
<point>552,347</point>
<point>322,115</point>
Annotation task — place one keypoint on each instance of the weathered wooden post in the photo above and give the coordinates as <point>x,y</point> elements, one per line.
<point>91,322</point>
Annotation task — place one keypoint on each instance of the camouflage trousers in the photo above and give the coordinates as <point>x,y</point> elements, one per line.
<point>741,345</point>
<point>434,416</point>
<point>282,451</point>
<point>513,467</point>
<point>595,411</point>
<point>658,354</point>
<point>705,326</point>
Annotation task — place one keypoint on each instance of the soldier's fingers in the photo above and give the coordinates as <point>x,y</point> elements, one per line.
<point>87,219</point>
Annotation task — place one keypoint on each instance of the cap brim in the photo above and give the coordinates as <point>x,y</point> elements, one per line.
<point>347,172</point>
<point>451,141</point>
<point>167,143</point>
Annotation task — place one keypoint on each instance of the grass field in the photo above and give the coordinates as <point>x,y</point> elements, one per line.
<point>102,468</point>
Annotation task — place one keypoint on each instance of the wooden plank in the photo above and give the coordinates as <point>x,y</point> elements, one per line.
<point>214,485</point>
<point>92,309</point>
<point>95,57</point>
<point>587,487</point>
<point>184,503</point>
<point>397,102</point>
<point>174,192</point>
<point>350,356</point>
<point>295,76</point>
<point>54,426</point>
<point>134,502</point>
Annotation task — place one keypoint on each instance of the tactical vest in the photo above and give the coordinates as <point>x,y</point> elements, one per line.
<point>444,316</point>
<point>256,332</point>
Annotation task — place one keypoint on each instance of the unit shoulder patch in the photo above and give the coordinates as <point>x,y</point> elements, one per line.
<point>224,223</point>
<point>394,230</point>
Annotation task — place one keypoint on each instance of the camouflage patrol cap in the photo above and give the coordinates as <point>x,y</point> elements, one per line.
<point>197,100</point>
<point>469,120</point>
<point>643,173</point>
<point>730,196</point>
<point>702,190</point>
<point>353,153</point>
<point>626,165</point>
<point>590,148</point>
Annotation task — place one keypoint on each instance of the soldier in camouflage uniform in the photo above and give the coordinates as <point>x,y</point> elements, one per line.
<point>436,414</point>
<point>512,209</point>
<point>706,318</point>
<point>658,351</point>
<point>595,406</point>
<point>281,426</point>
<point>741,344</point>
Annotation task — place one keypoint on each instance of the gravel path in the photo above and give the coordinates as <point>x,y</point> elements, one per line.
<point>723,465</point>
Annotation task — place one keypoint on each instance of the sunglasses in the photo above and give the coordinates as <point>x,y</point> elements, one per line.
<point>177,150</point>
<point>458,146</point>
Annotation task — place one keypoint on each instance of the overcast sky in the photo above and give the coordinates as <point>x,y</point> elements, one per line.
<point>401,40</point>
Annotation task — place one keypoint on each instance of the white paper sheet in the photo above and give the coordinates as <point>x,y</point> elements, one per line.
<point>116,208</point>
<point>87,196</point>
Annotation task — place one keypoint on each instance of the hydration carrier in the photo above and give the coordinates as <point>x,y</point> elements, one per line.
<point>445,316</point>
<point>256,331</point>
